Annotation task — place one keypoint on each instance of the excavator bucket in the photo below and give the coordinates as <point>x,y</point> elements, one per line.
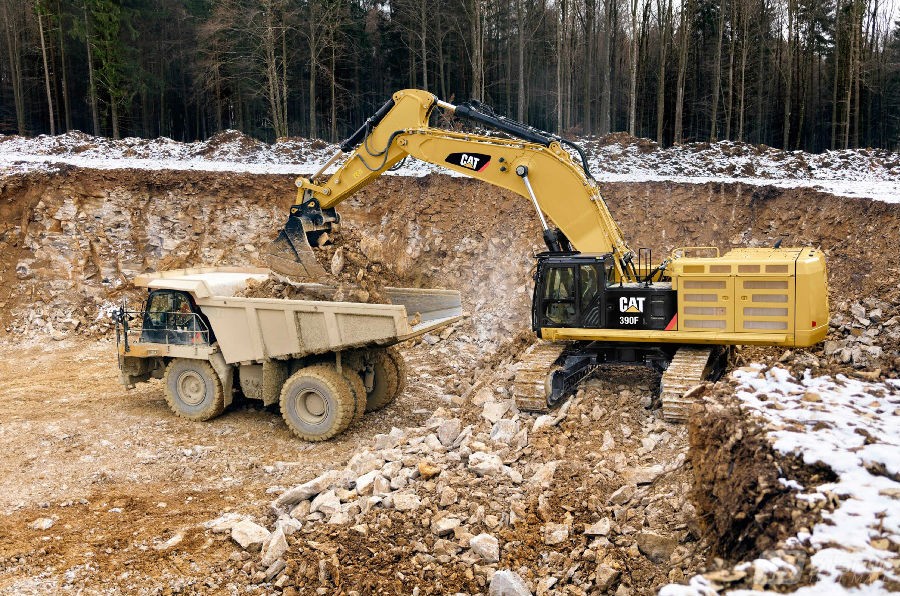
<point>290,254</point>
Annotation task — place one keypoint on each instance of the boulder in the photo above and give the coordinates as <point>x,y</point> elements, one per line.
<point>485,546</point>
<point>248,534</point>
<point>508,583</point>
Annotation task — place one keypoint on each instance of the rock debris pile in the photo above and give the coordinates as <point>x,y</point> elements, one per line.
<point>866,335</point>
<point>483,497</point>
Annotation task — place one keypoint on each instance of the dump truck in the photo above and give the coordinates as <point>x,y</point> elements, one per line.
<point>325,363</point>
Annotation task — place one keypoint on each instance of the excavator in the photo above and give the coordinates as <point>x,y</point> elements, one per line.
<point>596,302</point>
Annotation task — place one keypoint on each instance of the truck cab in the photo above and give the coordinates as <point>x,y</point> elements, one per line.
<point>172,317</point>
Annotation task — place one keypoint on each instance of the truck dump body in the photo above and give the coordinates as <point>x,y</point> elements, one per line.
<point>257,329</point>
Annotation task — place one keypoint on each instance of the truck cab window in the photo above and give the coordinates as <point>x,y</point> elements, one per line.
<point>170,318</point>
<point>559,297</point>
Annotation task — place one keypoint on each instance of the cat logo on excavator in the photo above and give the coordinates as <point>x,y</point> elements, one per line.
<point>471,161</point>
<point>633,304</point>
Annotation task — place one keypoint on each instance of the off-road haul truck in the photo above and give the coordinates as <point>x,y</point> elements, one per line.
<point>324,363</point>
<point>595,300</point>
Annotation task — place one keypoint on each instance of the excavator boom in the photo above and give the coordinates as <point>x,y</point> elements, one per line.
<point>533,164</point>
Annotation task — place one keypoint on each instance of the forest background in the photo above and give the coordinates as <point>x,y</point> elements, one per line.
<point>794,74</point>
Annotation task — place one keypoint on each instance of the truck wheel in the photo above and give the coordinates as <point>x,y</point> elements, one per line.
<point>390,378</point>
<point>358,389</point>
<point>317,403</point>
<point>193,389</point>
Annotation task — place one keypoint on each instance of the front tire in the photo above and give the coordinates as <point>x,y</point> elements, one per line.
<point>317,403</point>
<point>193,389</point>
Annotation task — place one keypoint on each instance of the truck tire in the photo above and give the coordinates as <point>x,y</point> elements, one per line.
<point>193,389</point>
<point>390,378</point>
<point>358,389</point>
<point>317,403</point>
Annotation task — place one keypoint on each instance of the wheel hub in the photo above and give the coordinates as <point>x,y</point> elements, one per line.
<point>191,388</point>
<point>312,406</point>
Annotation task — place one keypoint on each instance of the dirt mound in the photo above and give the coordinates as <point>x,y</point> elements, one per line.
<point>229,145</point>
<point>569,505</point>
<point>743,506</point>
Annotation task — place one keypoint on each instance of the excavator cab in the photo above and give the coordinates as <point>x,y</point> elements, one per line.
<point>579,291</point>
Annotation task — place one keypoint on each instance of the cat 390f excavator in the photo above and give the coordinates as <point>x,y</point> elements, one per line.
<point>596,302</point>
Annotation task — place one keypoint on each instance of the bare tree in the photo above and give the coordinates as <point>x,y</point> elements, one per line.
<point>717,75</point>
<point>684,34</point>
<point>664,23</point>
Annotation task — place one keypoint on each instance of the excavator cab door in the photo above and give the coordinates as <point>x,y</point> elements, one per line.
<point>569,292</point>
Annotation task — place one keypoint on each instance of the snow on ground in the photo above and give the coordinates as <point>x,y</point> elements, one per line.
<point>870,173</point>
<point>853,427</point>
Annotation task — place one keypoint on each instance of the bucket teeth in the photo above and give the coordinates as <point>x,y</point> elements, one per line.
<point>532,371</point>
<point>687,370</point>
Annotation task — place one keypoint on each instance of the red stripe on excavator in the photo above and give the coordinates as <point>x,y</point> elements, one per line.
<point>481,169</point>
<point>672,324</point>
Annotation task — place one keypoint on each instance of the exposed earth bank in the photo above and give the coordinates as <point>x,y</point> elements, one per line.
<point>98,461</point>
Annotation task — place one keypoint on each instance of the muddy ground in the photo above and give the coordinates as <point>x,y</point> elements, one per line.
<point>128,486</point>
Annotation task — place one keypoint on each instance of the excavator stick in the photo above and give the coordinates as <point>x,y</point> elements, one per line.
<point>290,253</point>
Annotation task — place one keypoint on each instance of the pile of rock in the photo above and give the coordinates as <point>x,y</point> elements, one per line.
<point>483,498</point>
<point>865,334</point>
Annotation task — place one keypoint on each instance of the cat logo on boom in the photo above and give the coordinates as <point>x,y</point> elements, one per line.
<point>471,161</point>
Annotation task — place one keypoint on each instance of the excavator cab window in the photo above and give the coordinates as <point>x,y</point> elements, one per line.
<point>559,297</point>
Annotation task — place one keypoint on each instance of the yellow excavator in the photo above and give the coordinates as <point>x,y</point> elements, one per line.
<point>596,302</point>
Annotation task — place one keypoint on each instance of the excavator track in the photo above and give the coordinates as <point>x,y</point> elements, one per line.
<point>688,368</point>
<point>532,371</point>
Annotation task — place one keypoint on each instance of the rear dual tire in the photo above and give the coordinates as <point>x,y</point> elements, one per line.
<point>390,378</point>
<point>317,403</point>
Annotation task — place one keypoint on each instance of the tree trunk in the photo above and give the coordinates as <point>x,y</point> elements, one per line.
<point>682,68</point>
<point>313,66</point>
<point>587,89</point>
<point>561,63</point>
<point>729,100</point>
<point>834,81</point>
<point>114,116</point>
<point>745,20</point>
<point>477,53</point>
<point>520,92</point>
<point>334,133</point>
<point>423,20</point>
<point>46,72</point>
<point>717,77</point>
<point>632,99</point>
<point>665,17</point>
<point>67,111</point>
<point>604,124</point>
<point>92,84</point>
<point>789,79</point>
<point>284,81</point>
<point>15,66</point>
